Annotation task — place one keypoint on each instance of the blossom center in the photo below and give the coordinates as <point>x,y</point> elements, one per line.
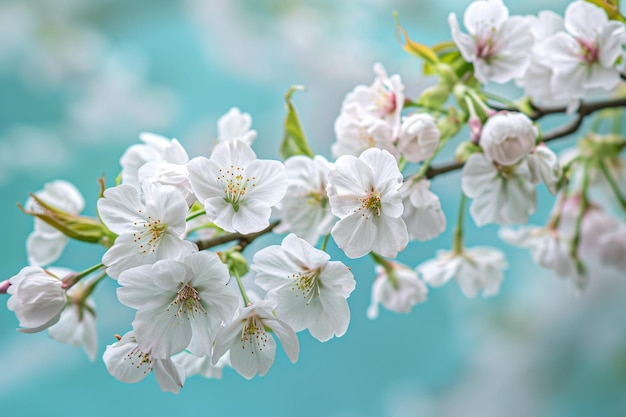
<point>386,102</point>
<point>486,48</point>
<point>306,283</point>
<point>588,51</point>
<point>253,333</point>
<point>188,302</point>
<point>149,234</point>
<point>137,358</point>
<point>318,198</point>
<point>235,184</point>
<point>370,204</point>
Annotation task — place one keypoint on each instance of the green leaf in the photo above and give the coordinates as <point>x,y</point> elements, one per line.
<point>294,142</point>
<point>414,48</point>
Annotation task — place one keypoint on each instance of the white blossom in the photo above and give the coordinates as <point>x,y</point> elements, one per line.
<point>45,244</point>
<point>398,293</point>
<point>128,363</point>
<point>503,196</point>
<point>537,80</point>
<point>77,324</point>
<point>475,269</point>
<point>249,341</point>
<point>201,365</point>
<point>370,116</point>
<point>497,45</point>
<point>180,304</point>
<point>419,137</point>
<point>544,166</point>
<point>154,148</point>
<point>37,298</point>
<point>364,194</point>
<point>584,57</point>
<point>612,247</point>
<point>171,169</point>
<point>356,132</point>
<point>236,189</point>
<point>305,210</point>
<point>422,210</point>
<point>549,249</point>
<point>310,290</point>
<point>235,125</point>
<point>384,98</point>
<point>507,137</point>
<point>149,226</point>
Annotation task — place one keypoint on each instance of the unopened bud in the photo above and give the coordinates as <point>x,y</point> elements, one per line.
<point>435,96</point>
<point>85,229</point>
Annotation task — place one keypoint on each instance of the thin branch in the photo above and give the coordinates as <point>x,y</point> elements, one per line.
<point>584,110</point>
<point>244,240</point>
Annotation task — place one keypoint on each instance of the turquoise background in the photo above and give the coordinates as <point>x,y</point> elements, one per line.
<point>79,81</point>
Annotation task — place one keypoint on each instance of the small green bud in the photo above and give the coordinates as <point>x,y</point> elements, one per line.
<point>465,150</point>
<point>235,261</point>
<point>446,74</point>
<point>601,146</point>
<point>435,97</point>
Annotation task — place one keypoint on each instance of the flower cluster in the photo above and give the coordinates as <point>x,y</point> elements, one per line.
<point>176,230</point>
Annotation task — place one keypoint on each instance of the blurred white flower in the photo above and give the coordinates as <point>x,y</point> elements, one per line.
<point>305,209</point>
<point>504,195</point>
<point>475,269</point>
<point>422,210</point>
<point>45,244</point>
<point>544,166</point>
<point>419,137</point>
<point>356,132</point>
<point>201,365</point>
<point>507,137</point>
<point>398,293</point>
<point>77,324</point>
<point>235,125</point>
<point>584,57</point>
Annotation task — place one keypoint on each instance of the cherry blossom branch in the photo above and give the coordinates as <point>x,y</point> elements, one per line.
<point>584,110</point>
<point>244,240</point>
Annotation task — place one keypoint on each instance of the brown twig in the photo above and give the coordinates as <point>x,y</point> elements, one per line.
<point>244,240</point>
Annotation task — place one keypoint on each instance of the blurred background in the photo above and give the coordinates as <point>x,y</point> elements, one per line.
<point>80,80</point>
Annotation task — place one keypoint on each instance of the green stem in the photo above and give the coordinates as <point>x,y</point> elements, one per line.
<point>617,120</point>
<point>614,186</point>
<point>195,214</point>
<point>388,267</point>
<point>242,289</point>
<point>500,99</point>
<point>584,204</point>
<point>424,168</point>
<point>325,242</point>
<point>457,244</point>
<point>70,280</point>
